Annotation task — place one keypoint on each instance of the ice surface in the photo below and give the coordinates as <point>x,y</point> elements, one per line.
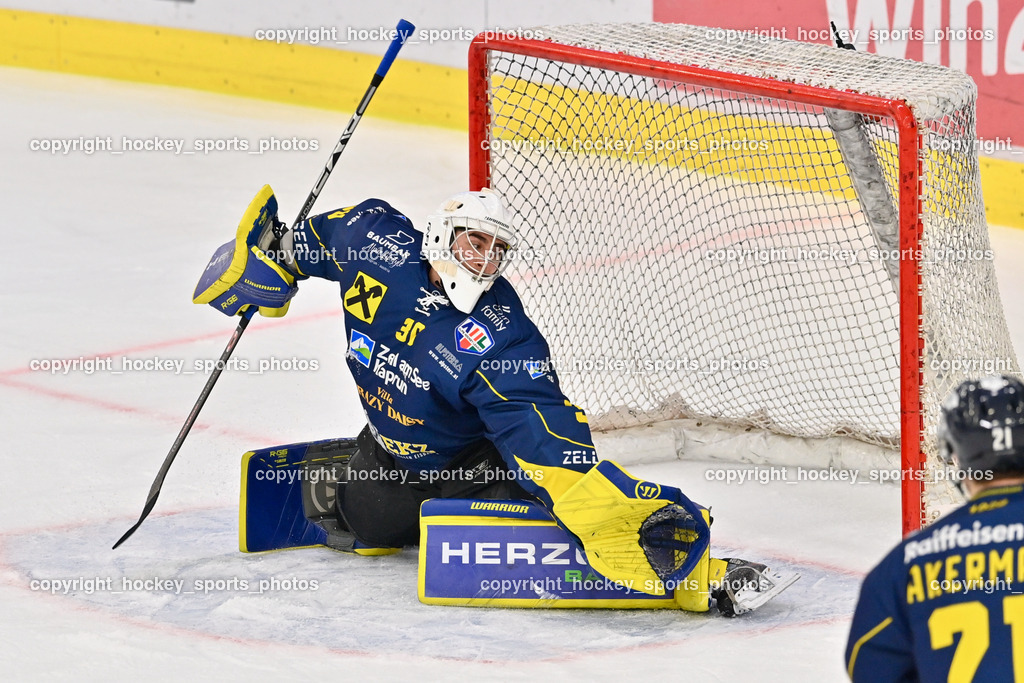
<point>102,251</point>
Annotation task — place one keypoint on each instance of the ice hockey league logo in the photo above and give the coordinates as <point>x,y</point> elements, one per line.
<point>472,336</point>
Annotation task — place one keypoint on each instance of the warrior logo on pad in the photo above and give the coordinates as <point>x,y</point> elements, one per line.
<point>472,336</point>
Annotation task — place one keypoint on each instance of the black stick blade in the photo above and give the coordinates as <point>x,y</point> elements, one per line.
<point>145,513</point>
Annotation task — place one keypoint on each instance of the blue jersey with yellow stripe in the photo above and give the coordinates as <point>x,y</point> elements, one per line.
<point>431,379</point>
<point>948,602</point>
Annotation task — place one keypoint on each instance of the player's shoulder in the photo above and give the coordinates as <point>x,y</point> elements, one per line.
<point>368,213</point>
<point>984,519</point>
<point>501,310</point>
<point>503,294</point>
<point>994,505</point>
<point>897,561</point>
<point>891,568</point>
<point>497,327</point>
<point>996,502</point>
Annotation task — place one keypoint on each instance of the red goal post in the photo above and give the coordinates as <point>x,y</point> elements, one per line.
<point>518,90</point>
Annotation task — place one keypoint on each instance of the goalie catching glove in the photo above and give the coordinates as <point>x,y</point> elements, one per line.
<point>243,272</point>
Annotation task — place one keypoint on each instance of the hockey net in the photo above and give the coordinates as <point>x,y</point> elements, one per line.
<point>760,233</point>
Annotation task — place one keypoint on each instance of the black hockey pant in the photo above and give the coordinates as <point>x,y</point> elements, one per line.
<point>384,511</point>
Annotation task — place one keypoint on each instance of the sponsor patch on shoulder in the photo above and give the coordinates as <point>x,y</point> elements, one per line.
<point>472,336</point>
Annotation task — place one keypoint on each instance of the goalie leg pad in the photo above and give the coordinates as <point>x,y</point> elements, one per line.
<point>512,553</point>
<point>271,511</point>
<point>634,530</point>
<point>288,498</point>
<point>693,593</point>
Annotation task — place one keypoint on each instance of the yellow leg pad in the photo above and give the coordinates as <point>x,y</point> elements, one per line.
<point>608,524</point>
<point>718,569</point>
<point>694,592</point>
<point>511,553</point>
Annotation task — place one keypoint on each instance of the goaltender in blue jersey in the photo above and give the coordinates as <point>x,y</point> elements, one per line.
<point>948,602</point>
<point>460,396</point>
<point>432,377</point>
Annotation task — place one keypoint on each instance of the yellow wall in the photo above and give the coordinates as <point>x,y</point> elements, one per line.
<point>1002,183</point>
<point>297,74</point>
<point>414,92</point>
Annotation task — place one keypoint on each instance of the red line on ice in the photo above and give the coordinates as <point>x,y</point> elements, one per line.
<point>103,404</point>
<point>7,379</point>
<point>267,323</point>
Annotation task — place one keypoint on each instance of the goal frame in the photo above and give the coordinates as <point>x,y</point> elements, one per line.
<point>910,161</point>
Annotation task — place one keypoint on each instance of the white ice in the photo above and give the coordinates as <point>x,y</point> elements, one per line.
<point>101,253</point>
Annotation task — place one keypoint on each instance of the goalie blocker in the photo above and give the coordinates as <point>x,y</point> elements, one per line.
<point>505,553</point>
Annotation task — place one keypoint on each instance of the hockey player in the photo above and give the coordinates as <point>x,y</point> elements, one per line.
<point>456,382</point>
<point>948,602</point>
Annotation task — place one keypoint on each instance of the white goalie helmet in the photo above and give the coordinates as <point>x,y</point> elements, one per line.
<point>468,242</point>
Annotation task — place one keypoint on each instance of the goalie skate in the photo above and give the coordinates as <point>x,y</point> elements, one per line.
<point>749,585</point>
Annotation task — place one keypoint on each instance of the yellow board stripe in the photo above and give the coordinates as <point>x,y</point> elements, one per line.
<point>1001,183</point>
<point>305,75</point>
<point>745,147</point>
<point>863,639</point>
<point>671,135</point>
<point>415,92</point>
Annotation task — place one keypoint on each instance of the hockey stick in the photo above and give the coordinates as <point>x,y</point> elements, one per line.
<point>402,33</point>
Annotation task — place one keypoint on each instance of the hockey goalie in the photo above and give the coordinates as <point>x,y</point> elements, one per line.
<point>470,451</point>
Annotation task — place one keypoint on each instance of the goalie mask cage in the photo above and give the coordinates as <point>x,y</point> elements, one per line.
<point>763,233</point>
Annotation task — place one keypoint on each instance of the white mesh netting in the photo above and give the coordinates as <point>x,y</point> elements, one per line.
<point>702,252</point>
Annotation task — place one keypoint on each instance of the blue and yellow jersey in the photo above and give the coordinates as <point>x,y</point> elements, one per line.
<point>948,602</point>
<point>431,379</point>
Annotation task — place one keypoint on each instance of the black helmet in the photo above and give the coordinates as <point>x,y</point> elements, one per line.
<point>982,424</point>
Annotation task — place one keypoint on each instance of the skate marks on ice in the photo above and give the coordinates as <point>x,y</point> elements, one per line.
<point>183,571</point>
